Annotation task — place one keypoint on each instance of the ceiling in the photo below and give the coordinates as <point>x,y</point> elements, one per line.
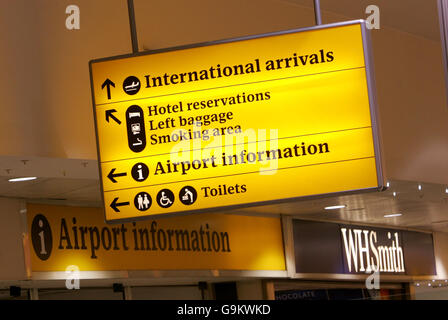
<point>197,21</point>
<point>425,209</point>
<point>59,181</point>
<point>412,16</point>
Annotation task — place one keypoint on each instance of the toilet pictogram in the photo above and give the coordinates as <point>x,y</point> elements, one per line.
<point>142,201</point>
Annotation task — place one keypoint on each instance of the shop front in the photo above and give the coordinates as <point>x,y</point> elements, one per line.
<point>343,261</point>
<point>71,253</point>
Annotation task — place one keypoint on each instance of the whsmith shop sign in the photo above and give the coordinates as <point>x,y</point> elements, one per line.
<point>65,236</point>
<point>239,122</point>
<point>349,249</point>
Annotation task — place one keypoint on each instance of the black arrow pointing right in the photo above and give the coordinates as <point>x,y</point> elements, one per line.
<point>109,114</point>
<point>114,205</point>
<point>108,83</point>
<point>112,175</point>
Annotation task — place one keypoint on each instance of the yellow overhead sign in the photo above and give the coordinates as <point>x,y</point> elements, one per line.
<point>74,236</point>
<point>238,122</point>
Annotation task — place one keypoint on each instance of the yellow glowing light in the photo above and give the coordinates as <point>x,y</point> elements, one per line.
<point>271,118</point>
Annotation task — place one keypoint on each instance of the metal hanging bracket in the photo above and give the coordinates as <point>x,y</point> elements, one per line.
<point>133,27</point>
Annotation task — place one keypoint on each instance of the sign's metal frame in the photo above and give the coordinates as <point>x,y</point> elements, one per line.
<point>368,59</point>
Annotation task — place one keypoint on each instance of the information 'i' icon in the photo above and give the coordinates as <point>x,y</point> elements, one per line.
<point>41,237</point>
<point>140,172</point>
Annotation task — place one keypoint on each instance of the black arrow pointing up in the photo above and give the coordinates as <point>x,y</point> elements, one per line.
<point>107,83</point>
<point>112,175</point>
<point>114,205</point>
<point>109,114</point>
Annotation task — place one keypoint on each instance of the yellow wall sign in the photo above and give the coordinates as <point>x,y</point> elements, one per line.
<point>66,236</point>
<point>239,122</point>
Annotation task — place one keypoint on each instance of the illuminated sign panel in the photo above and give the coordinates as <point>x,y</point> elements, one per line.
<point>247,121</point>
<point>73,236</point>
<point>354,249</point>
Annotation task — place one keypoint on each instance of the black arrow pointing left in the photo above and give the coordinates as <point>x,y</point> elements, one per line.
<point>115,204</point>
<point>112,175</point>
